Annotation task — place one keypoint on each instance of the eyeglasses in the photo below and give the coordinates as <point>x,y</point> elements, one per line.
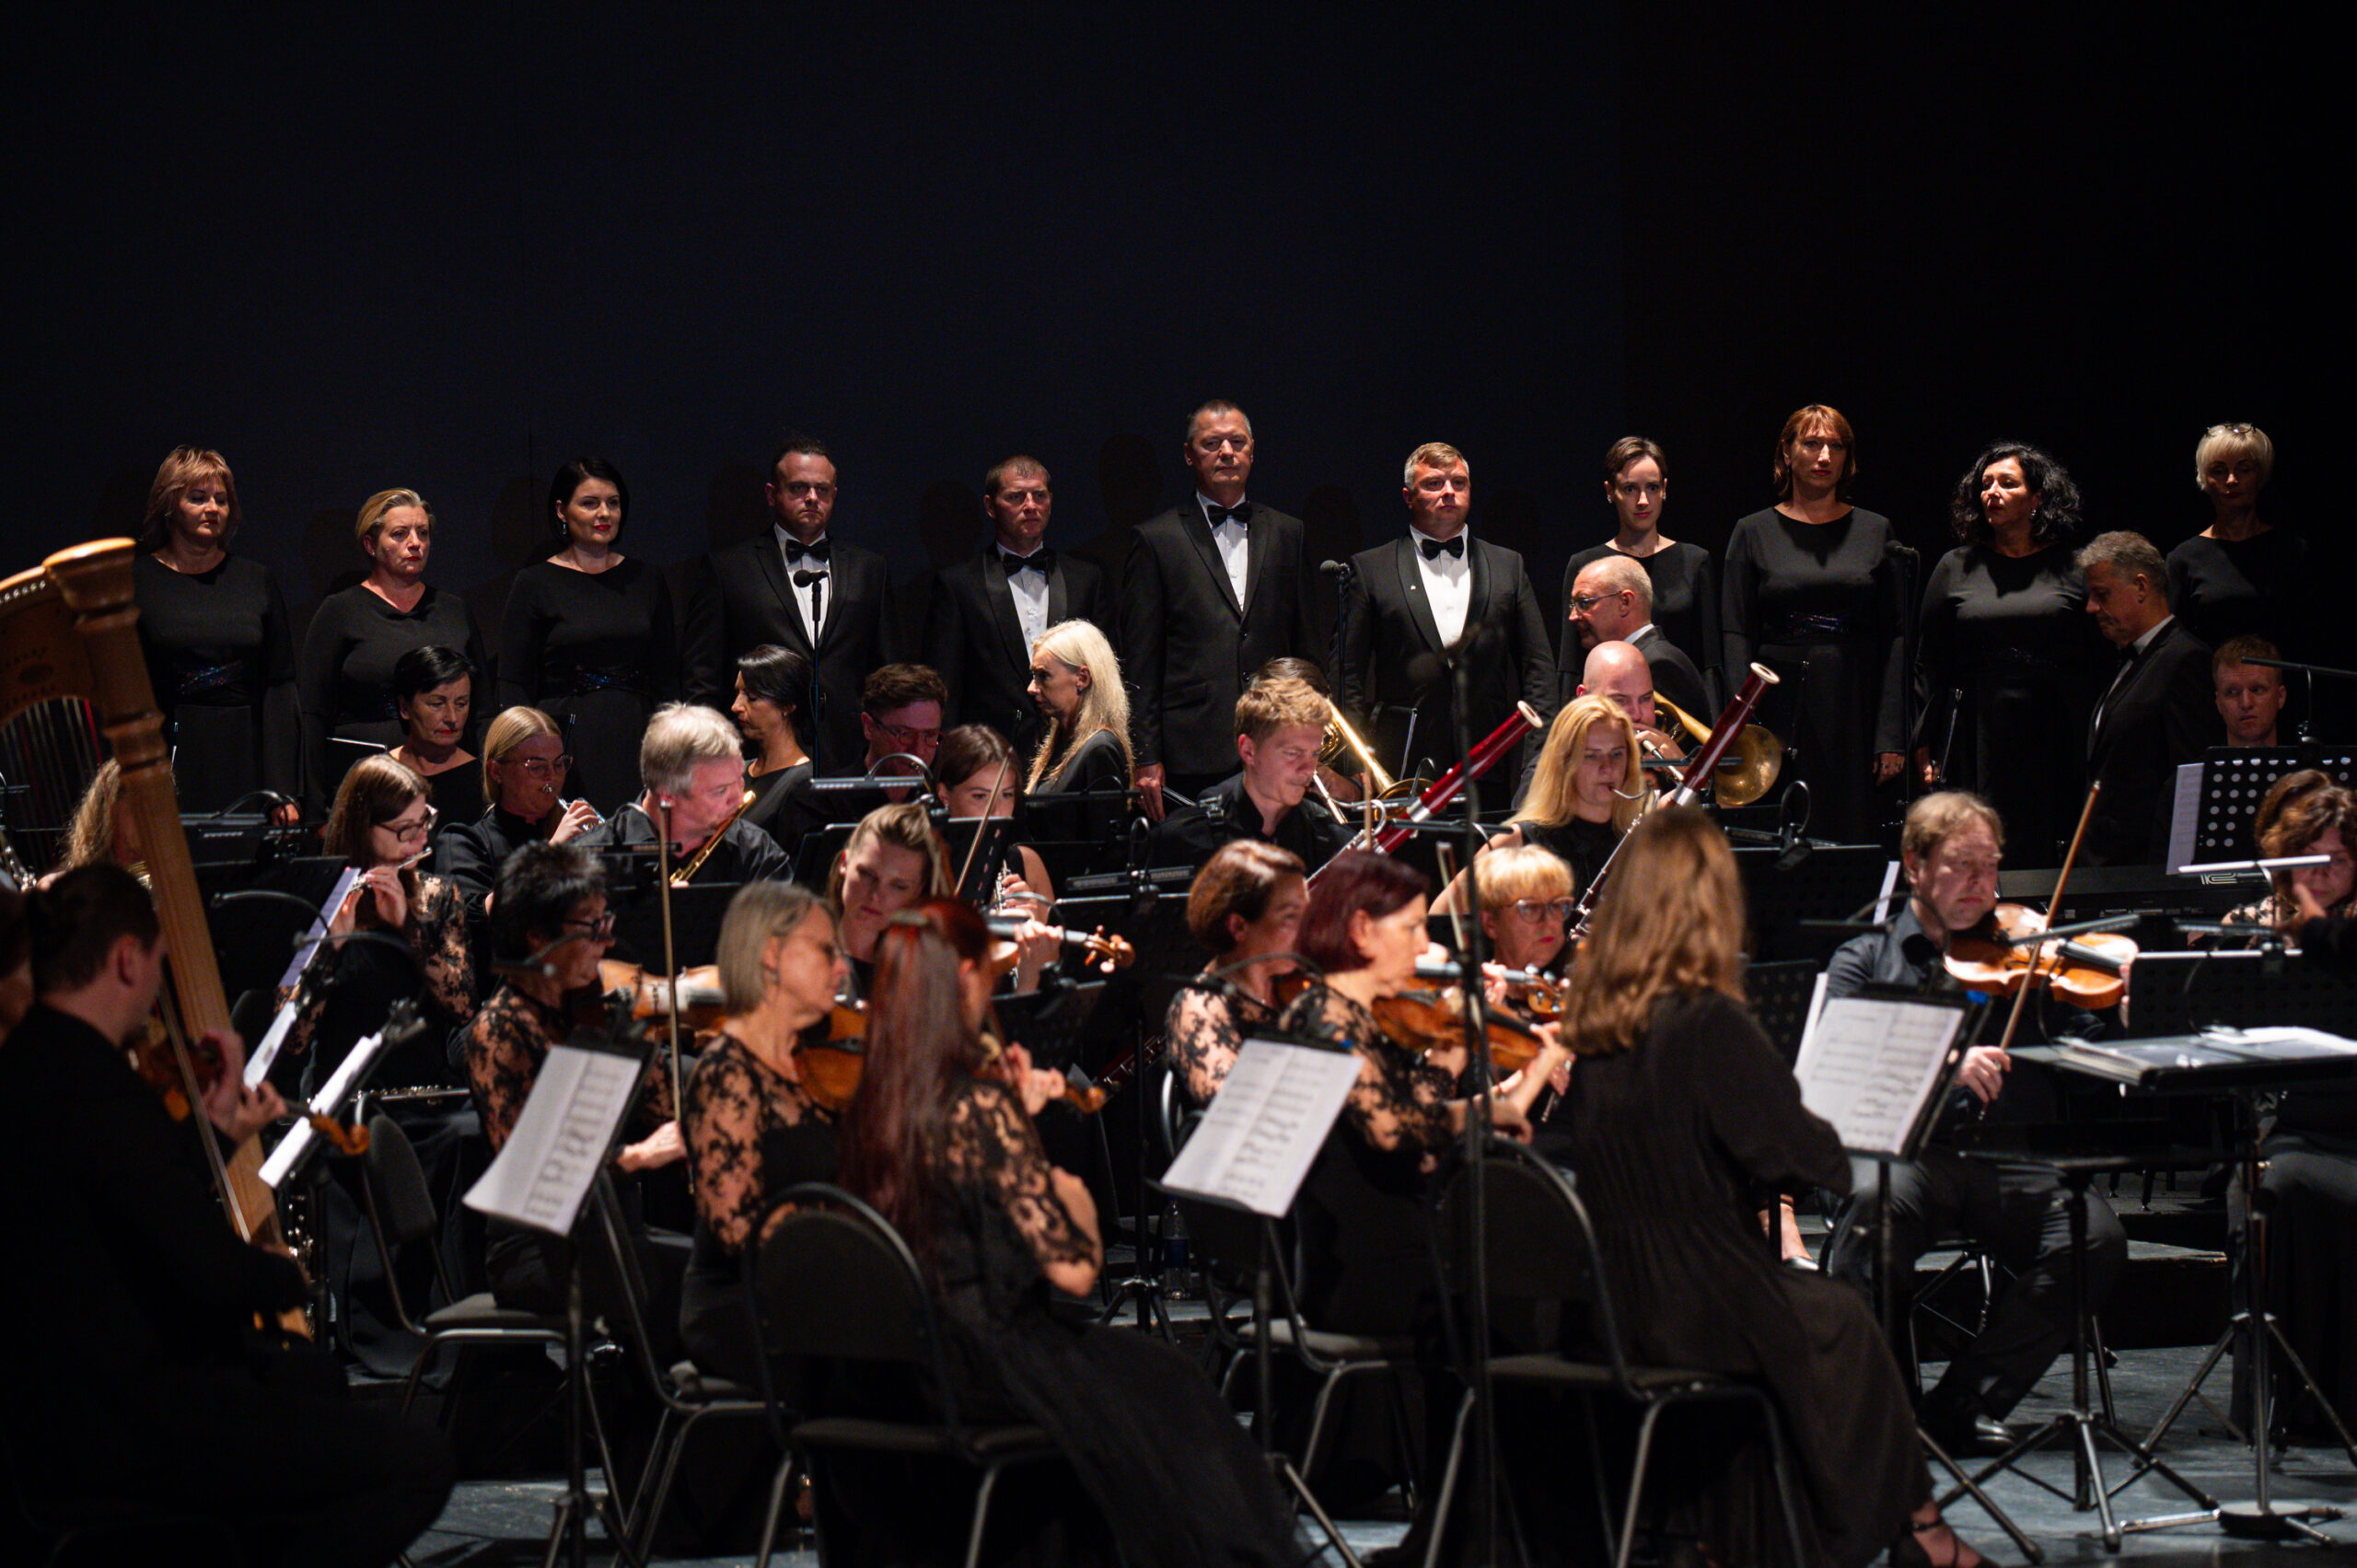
<point>1537,910</point>
<point>541,767</point>
<point>596,930</point>
<point>909,739</point>
<point>1585,603</point>
<point>408,831</point>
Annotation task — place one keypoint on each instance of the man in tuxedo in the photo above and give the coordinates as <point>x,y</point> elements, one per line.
<point>2159,710</point>
<point>1405,603</point>
<point>1617,671</point>
<point>1280,726</point>
<point>1213,589</point>
<point>987,610</point>
<point>827,600</point>
<point>1612,601</point>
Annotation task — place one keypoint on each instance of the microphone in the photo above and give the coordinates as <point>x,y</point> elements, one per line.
<point>1335,568</point>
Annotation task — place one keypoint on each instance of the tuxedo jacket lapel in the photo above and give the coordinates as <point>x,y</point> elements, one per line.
<point>789,618</point>
<point>1411,592</point>
<point>1484,584</point>
<point>1198,533</point>
<point>1002,602</point>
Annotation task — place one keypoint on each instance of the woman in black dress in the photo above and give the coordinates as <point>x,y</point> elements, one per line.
<point>1678,1109</point>
<point>434,690</point>
<point>220,652</point>
<point>1244,908</point>
<point>1584,793</point>
<point>1812,592</point>
<point>2241,576</point>
<point>950,1156</point>
<point>1077,684</point>
<point>976,769</point>
<point>772,683</point>
<point>524,769</point>
<point>752,1130</point>
<point>588,636</point>
<point>344,681</point>
<point>2007,659</point>
<point>1685,577</point>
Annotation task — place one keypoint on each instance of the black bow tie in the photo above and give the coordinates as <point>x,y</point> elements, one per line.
<point>1040,560</point>
<point>796,550</point>
<point>1435,548</point>
<point>1241,513</point>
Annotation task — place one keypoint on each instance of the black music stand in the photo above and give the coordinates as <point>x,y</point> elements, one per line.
<point>2234,779</point>
<point>696,914</point>
<point>2213,1065</point>
<point>2185,993</point>
<point>978,869</point>
<point>1780,994</point>
<point>1824,884</point>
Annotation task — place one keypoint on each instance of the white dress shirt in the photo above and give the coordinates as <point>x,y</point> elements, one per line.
<point>1235,547</point>
<point>810,601</point>
<point>1448,584</point>
<point>1029,589</point>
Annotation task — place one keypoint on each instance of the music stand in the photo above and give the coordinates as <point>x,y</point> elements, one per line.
<point>2234,779</point>
<point>1824,884</point>
<point>547,1174</point>
<point>696,914</point>
<point>1249,1154</point>
<point>980,868</point>
<point>2244,1067</point>
<point>1878,1066</point>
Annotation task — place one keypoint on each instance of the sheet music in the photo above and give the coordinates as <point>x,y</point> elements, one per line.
<point>1869,1066</point>
<point>561,1141</point>
<point>1256,1144</point>
<point>357,1065</point>
<point>258,1065</point>
<point>2184,814</point>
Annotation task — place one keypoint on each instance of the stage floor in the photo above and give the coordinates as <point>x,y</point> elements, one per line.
<point>502,1522</point>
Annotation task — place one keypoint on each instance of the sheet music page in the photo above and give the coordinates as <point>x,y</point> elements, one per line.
<point>258,1061</point>
<point>546,1168</point>
<point>2282,1042</point>
<point>356,1065</point>
<point>1256,1144</point>
<point>1869,1067</point>
<point>2184,814</point>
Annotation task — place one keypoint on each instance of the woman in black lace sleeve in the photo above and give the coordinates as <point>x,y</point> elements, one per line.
<point>752,1130</point>
<point>1678,1111</point>
<point>1244,908</point>
<point>381,824</point>
<point>550,927</point>
<point>952,1159</point>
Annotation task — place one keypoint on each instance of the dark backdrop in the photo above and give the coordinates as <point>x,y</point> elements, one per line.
<point>353,253</point>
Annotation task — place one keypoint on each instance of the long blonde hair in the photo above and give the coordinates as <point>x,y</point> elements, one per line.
<point>1671,920</point>
<point>1551,793</point>
<point>1078,645</point>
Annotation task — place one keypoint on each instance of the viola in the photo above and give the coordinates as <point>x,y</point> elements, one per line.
<point>2085,970</point>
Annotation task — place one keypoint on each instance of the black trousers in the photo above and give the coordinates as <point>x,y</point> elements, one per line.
<point>2017,1211</point>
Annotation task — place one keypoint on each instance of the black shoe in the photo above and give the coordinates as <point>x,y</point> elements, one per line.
<point>1977,1435</point>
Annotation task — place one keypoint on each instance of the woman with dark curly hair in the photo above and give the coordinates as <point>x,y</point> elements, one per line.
<point>2006,655</point>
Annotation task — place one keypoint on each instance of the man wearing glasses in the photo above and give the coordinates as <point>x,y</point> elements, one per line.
<point>988,608</point>
<point>694,769</point>
<point>1612,601</point>
<point>798,588</point>
<point>900,718</point>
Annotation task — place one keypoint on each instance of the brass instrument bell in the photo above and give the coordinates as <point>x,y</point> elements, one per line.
<point>1749,766</point>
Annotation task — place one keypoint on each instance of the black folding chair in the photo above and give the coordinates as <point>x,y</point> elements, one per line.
<point>1541,1255</point>
<point>835,1282</point>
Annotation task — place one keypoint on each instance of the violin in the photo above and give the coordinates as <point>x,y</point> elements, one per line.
<point>1430,1021</point>
<point>157,1066</point>
<point>832,1063</point>
<point>2084,970</point>
<point>649,996</point>
<point>1104,953</point>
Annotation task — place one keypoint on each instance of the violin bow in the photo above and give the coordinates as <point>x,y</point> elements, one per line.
<point>2053,903</point>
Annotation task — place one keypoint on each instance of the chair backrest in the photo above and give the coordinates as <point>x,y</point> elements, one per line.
<point>1540,1251</point>
<point>396,1184</point>
<point>1177,1118</point>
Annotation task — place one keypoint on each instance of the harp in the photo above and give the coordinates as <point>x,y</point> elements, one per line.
<point>69,637</point>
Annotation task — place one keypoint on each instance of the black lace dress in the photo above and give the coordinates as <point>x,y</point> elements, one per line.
<point>752,1133</point>
<point>595,653</point>
<point>1203,1032</point>
<point>1167,1465</point>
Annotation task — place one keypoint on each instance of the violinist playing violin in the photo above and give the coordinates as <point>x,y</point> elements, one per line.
<point>137,1380</point>
<point>550,927</point>
<point>752,1126</point>
<point>1950,848</point>
<point>1244,908</point>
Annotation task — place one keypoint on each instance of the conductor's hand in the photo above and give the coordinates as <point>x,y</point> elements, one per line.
<point>1887,765</point>
<point>238,1112</point>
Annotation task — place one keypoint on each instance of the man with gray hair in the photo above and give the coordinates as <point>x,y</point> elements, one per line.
<point>1612,601</point>
<point>2157,711</point>
<point>693,763</point>
<point>1434,589</point>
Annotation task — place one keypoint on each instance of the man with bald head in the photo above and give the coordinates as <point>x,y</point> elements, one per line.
<point>1617,672</point>
<point>1612,601</point>
<point>2158,711</point>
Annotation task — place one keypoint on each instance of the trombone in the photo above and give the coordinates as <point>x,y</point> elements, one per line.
<point>1748,768</point>
<point>1340,738</point>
